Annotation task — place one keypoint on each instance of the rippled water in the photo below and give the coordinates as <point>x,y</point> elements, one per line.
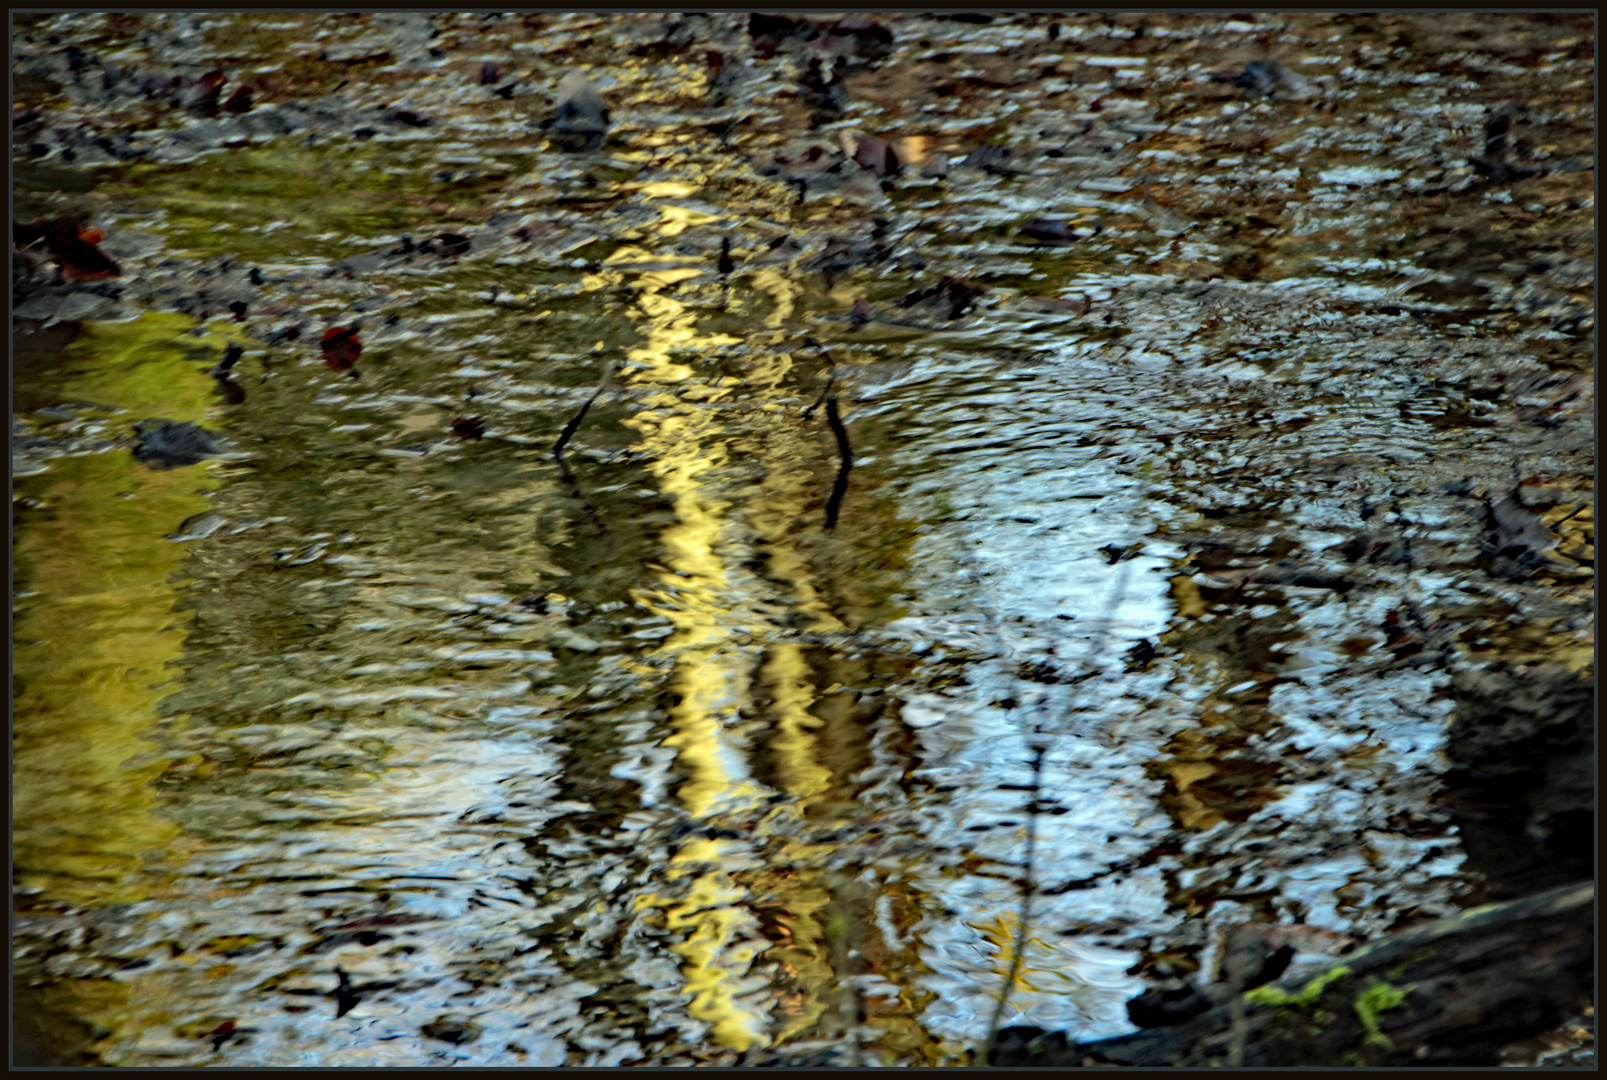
<point>440,750</point>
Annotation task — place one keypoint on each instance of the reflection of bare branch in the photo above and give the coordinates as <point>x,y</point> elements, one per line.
<point>580,496</point>
<point>1027,882</point>
<point>831,384</point>
<point>574,421</point>
<point>834,419</point>
<point>831,378</point>
<point>563,439</point>
<point>845,455</point>
<point>1019,951</point>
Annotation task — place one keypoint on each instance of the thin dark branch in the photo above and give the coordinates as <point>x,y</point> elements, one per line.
<point>831,384</point>
<point>845,456</point>
<point>831,379</point>
<point>574,421</point>
<point>1559,521</point>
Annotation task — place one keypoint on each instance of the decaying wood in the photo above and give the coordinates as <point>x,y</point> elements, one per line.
<point>1451,992</point>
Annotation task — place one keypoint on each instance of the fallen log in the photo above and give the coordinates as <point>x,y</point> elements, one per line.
<point>1451,992</point>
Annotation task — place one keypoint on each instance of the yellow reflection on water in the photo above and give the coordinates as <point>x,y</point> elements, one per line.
<point>804,958</point>
<point>95,642</point>
<point>667,189</point>
<point>704,465</point>
<point>677,219</point>
<point>785,290</point>
<point>681,444</point>
<point>719,945</point>
<point>792,692</point>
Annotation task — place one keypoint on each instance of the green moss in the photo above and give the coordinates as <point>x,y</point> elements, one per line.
<point>1373,1002</point>
<point>1305,999</point>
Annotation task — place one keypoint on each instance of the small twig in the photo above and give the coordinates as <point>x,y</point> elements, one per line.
<point>1565,517</point>
<point>574,421</point>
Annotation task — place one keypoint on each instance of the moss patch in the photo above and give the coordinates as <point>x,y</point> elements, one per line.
<point>1373,1002</point>
<point>1305,999</point>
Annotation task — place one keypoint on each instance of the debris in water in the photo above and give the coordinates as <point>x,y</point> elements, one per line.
<point>239,102</point>
<point>231,356</point>
<point>574,421</point>
<point>198,527</point>
<point>341,347</point>
<point>957,295</point>
<point>1270,79</point>
<point>447,1029</point>
<point>346,998</point>
<point>579,120</point>
<point>874,154</point>
<point>166,445</point>
<point>1049,231</point>
<point>202,98</point>
<point>845,462</point>
<point>995,160</point>
<point>72,246</point>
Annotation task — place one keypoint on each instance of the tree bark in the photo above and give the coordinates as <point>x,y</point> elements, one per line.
<point>1451,992</point>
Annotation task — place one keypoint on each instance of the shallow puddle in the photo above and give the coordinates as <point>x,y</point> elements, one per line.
<point>386,737</point>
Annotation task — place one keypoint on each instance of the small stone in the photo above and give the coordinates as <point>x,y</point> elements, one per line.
<point>198,527</point>
<point>166,445</point>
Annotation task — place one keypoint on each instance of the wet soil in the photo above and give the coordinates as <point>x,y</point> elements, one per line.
<point>1064,486</point>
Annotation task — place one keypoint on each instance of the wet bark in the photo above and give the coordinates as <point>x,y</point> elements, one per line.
<point>1451,992</point>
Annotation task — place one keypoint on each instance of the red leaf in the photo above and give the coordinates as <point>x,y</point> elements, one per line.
<point>341,347</point>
